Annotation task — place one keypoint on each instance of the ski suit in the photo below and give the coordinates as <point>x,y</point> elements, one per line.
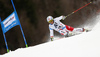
<point>60,27</point>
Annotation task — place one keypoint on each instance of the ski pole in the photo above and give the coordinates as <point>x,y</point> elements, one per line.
<point>78,9</point>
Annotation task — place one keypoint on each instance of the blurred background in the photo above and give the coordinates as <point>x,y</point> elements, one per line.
<point>32,15</point>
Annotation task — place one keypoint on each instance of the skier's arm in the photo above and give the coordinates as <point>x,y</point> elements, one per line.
<point>51,33</point>
<point>61,18</point>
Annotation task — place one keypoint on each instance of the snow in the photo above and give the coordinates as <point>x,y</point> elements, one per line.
<point>86,44</point>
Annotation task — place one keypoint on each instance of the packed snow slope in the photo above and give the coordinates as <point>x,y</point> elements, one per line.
<point>83,45</point>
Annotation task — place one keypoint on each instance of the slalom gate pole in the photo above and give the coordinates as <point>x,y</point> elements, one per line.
<point>20,25</point>
<point>4,38</point>
<point>78,9</point>
<point>6,42</point>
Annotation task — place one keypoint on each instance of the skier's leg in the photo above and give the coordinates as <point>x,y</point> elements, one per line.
<point>74,29</point>
<point>69,28</point>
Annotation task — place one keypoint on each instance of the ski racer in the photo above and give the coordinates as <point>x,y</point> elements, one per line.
<point>55,24</point>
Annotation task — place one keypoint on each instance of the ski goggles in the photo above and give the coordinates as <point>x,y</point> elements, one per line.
<point>50,21</point>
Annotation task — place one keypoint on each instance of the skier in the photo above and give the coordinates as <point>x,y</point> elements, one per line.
<point>55,24</point>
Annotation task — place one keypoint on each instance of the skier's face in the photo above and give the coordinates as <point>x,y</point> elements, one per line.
<point>51,22</point>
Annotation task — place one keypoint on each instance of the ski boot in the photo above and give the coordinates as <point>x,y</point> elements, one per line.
<point>51,38</point>
<point>85,30</point>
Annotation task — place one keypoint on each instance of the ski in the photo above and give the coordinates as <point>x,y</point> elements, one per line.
<point>72,34</point>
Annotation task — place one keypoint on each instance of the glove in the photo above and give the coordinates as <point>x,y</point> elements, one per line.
<point>51,38</point>
<point>64,17</point>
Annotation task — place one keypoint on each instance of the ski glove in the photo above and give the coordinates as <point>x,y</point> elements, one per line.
<point>51,38</point>
<point>64,17</point>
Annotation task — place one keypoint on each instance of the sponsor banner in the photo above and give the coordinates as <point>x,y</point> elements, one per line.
<point>10,22</point>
